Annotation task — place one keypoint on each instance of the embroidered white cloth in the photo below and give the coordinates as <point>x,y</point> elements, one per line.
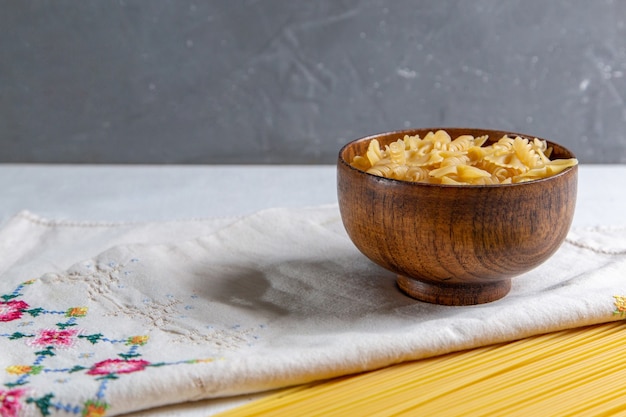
<point>115,318</point>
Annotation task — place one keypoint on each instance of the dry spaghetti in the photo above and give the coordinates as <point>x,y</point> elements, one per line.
<point>567,373</point>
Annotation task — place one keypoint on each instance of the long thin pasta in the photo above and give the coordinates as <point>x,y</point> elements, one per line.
<point>567,373</point>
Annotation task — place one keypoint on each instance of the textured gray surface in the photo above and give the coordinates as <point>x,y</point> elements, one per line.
<point>291,81</point>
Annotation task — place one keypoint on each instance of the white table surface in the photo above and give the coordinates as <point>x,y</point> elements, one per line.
<point>168,192</point>
<point>159,193</point>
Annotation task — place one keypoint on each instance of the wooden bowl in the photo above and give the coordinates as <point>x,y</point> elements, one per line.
<point>454,244</point>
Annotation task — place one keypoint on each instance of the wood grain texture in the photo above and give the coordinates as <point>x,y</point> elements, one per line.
<point>454,245</point>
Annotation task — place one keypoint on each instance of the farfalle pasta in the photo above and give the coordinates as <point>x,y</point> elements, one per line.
<point>439,159</point>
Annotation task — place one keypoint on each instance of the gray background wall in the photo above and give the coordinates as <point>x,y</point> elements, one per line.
<point>277,81</point>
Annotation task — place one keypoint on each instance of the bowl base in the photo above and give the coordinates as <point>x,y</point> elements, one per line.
<point>453,294</point>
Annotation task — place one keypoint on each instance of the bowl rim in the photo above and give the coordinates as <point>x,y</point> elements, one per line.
<point>464,186</point>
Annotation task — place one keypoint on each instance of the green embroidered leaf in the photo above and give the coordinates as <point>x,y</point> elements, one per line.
<point>93,338</point>
<point>35,370</point>
<point>43,403</point>
<point>107,376</point>
<point>157,364</point>
<point>48,351</point>
<point>77,368</point>
<point>34,311</point>
<point>64,326</point>
<point>8,297</point>
<point>18,335</point>
<point>15,384</point>
<point>128,355</point>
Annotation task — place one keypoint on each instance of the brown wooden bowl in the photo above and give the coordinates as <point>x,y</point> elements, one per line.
<point>454,244</point>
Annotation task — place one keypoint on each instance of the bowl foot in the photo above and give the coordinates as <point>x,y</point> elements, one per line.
<point>454,294</point>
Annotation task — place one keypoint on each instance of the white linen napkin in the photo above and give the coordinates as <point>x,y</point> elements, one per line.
<point>118,318</point>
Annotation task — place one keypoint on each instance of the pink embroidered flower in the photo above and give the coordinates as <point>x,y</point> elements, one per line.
<point>12,310</point>
<point>59,338</point>
<point>10,404</point>
<point>118,366</point>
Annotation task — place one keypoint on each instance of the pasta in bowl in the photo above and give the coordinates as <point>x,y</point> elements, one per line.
<point>454,218</point>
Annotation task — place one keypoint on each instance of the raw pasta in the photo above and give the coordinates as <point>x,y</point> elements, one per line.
<point>439,159</point>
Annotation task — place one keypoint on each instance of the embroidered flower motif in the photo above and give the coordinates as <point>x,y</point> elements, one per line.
<point>24,369</point>
<point>14,394</point>
<point>137,340</point>
<point>10,405</point>
<point>118,366</point>
<point>76,312</point>
<point>18,369</point>
<point>12,310</point>
<point>58,338</point>
<point>620,305</point>
<point>95,408</point>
